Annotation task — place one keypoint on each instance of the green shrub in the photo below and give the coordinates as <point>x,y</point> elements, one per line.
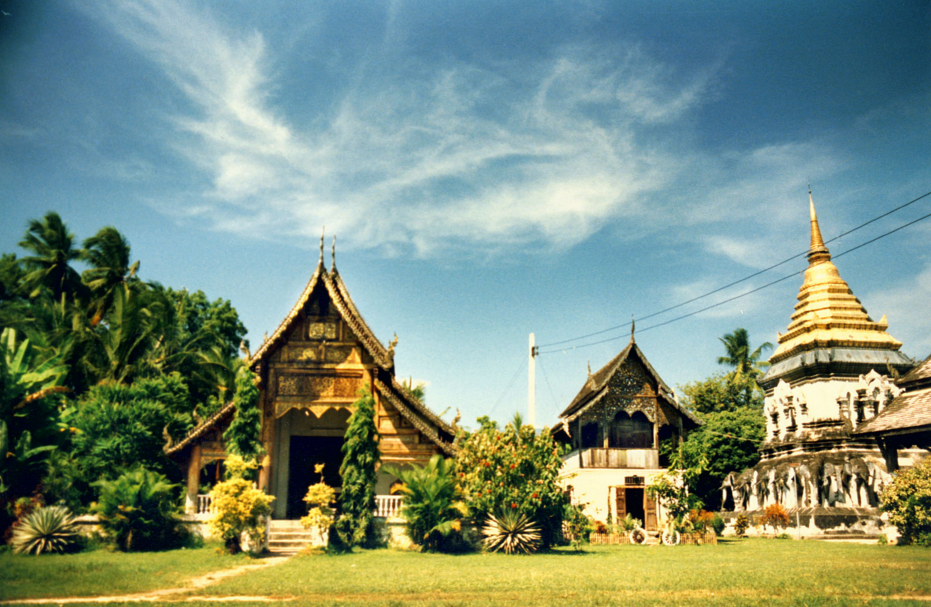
<point>45,529</point>
<point>242,436</point>
<point>139,511</point>
<point>432,507</point>
<point>121,427</point>
<point>512,532</point>
<point>783,536</point>
<point>907,499</point>
<point>358,471</point>
<point>577,527</point>
<point>629,523</point>
<point>741,524</point>
<point>718,524</point>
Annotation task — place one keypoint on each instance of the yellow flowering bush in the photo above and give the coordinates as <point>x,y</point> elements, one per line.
<point>319,497</point>
<point>239,507</point>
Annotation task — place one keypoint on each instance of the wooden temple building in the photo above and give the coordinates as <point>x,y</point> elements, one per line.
<point>615,426</point>
<point>311,371</point>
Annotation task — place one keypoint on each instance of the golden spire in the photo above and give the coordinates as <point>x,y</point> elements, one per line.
<point>322,233</point>
<point>827,314</point>
<point>817,252</point>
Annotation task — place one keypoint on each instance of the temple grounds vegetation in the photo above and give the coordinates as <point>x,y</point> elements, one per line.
<point>99,371</point>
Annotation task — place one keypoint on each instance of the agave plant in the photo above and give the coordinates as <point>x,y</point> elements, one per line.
<point>512,532</point>
<point>49,529</point>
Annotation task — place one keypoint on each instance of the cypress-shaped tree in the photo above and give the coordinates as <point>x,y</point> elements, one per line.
<point>360,460</point>
<point>243,436</point>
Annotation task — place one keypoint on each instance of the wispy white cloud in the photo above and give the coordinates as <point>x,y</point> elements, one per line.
<point>544,154</point>
<point>906,307</point>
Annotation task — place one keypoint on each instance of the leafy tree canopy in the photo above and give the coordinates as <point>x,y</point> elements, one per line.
<point>722,392</point>
<point>729,442</point>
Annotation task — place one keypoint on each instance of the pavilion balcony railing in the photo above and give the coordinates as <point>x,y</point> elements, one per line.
<point>613,458</point>
<point>387,506</point>
<point>204,505</point>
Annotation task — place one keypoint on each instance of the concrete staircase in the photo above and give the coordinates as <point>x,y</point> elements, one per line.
<point>289,537</point>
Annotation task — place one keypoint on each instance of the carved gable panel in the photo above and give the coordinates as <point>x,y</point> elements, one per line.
<point>315,387</point>
<point>318,328</point>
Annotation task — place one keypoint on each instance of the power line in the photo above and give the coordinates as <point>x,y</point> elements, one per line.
<point>510,385</point>
<point>545,377</point>
<point>730,299</point>
<point>750,276</point>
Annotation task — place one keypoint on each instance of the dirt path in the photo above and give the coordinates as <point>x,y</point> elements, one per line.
<point>194,584</point>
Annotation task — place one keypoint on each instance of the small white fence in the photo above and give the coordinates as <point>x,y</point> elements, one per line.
<point>204,504</point>
<point>387,506</point>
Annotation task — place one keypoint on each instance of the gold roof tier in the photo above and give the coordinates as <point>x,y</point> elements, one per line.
<point>827,314</point>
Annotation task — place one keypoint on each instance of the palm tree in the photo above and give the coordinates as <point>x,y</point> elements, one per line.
<point>52,248</point>
<point>125,346</point>
<point>108,254</point>
<point>737,346</point>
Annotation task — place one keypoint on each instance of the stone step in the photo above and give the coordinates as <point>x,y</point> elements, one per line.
<point>291,536</point>
<point>272,542</point>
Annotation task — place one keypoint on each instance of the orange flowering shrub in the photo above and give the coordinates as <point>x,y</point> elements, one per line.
<point>512,469</point>
<point>775,516</point>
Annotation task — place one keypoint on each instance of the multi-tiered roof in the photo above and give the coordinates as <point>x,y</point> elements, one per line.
<point>830,331</point>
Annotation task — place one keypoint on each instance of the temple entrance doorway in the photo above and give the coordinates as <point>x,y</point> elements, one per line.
<point>305,453</point>
<point>634,500</point>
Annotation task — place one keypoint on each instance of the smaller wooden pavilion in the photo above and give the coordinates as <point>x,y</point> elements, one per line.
<point>311,371</point>
<point>614,426</point>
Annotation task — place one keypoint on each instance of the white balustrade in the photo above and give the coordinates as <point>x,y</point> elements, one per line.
<point>204,504</point>
<point>387,506</point>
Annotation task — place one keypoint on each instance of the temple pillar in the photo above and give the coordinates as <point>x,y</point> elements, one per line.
<point>193,480</point>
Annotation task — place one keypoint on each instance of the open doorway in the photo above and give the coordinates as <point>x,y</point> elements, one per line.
<point>634,500</point>
<point>306,452</point>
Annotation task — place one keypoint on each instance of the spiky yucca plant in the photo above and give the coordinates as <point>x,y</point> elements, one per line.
<point>49,529</point>
<point>512,532</point>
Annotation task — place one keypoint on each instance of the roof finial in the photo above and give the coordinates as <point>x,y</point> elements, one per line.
<point>589,367</point>
<point>633,325</point>
<point>818,251</point>
<point>322,234</point>
<point>333,267</point>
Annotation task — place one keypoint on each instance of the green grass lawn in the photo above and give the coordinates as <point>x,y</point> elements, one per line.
<point>740,572</point>
<point>102,572</point>
<point>737,572</point>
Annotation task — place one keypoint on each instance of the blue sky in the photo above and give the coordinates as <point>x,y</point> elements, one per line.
<point>490,169</point>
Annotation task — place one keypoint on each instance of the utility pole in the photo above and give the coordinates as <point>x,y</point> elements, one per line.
<point>532,384</point>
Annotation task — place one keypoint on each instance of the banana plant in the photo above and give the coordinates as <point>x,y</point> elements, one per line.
<point>27,421</point>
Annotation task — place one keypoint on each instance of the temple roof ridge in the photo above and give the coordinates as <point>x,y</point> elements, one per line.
<point>340,297</point>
